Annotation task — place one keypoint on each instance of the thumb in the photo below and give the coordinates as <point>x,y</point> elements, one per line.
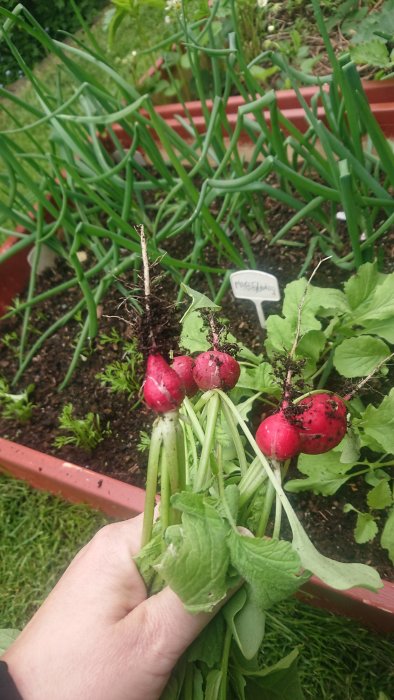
<point>182,627</point>
<point>166,629</point>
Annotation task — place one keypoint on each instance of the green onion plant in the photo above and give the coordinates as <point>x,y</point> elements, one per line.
<point>92,185</point>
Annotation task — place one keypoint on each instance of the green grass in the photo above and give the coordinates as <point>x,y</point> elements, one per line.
<point>339,659</point>
<point>39,535</point>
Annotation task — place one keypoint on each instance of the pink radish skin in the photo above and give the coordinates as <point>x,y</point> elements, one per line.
<point>163,388</point>
<point>278,438</point>
<point>216,370</point>
<point>323,423</point>
<point>183,366</point>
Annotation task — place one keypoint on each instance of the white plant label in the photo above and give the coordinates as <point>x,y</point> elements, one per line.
<point>256,286</point>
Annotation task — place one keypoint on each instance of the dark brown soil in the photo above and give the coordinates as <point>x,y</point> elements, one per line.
<point>119,455</point>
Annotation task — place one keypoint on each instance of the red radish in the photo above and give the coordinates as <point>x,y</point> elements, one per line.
<point>163,388</point>
<point>322,424</point>
<point>277,437</point>
<point>216,370</point>
<point>183,366</point>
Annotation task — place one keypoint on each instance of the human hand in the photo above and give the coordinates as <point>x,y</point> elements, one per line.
<point>97,636</point>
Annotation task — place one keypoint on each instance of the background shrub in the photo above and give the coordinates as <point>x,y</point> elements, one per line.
<point>57,16</point>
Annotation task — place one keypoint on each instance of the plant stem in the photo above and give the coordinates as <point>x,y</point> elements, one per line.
<point>287,384</point>
<point>254,477</point>
<point>203,467</point>
<point>151,481</point>
<point>224,666</point>
<point>265,514</point>
<point>278,505</point>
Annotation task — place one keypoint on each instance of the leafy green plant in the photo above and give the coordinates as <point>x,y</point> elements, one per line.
<point>144,441</point>
<point>349,333</point>
<point>85,432</point>
<point>219,499</point>
<point>125,375</point>
<point>48,15</point>
<point>372,37</point>
<point>15,406</point>
<point>93,181</point>
<point>345,339</point>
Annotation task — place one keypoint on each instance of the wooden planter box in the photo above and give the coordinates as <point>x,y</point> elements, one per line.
<point>120,500</point>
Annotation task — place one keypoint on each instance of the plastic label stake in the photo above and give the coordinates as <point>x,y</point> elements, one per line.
<point>256,286</point>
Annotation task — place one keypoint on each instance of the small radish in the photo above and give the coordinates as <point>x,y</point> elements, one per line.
<point>183,366</point>
<point>216,370</point>
<point>322,424</point>
<point>277,437</point>
<point>163,388</point>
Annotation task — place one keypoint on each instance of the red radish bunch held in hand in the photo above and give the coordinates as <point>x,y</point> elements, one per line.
<point>317,428</point>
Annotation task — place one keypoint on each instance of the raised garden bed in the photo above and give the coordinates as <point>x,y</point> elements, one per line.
<point>71,477</point>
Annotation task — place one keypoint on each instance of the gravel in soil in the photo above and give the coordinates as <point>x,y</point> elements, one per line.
<point>119,455</point>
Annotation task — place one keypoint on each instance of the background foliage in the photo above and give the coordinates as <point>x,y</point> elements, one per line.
<point>57,16</point>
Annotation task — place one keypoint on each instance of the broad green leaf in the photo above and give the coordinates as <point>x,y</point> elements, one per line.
<point>199,301</point>
<point>208,647</point>
<point>260,378</point>
<point>387,538</point>
<point>358,356</point>
<point>277,682</point>
<point>366,528</point>
<point>194,334</point>
<point>382,21</point>
<point>361,285</point>
<point>374,477</point>
<point>380,496</point>
<point>377,425</point>
<point>334,573</point>
<point>316,299</point>
<point>326,473</point>
<point>7,637</point>
<point>195,561</point>
<point>280,334</point>
<point>246,621</point>
<point>349,447</point>
<point>293,297</point>
<point>373,52</point>
<point>270,567</point>
<point>384,329</point>
<point>310,347</point>
<point>380,304</point>
<point>331,300</point>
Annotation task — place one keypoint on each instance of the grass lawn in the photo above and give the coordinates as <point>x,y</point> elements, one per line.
<point>39,535</point>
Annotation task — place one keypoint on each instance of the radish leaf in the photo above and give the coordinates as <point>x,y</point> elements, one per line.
<point>358,356</point>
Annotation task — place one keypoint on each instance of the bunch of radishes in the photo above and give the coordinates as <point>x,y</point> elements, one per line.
<point>316,424</point>
<point>166,386</point>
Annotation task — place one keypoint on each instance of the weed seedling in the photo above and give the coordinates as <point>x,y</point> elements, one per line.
<point>85,432</point>
<point>15,406</point>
